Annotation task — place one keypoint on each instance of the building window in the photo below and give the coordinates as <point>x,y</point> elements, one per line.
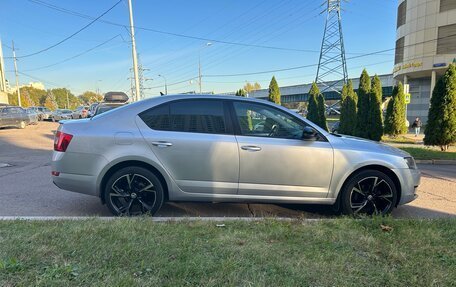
<point>446,42</point>
<point>401,12</point>
<point>399,54</point>
<point>446,5</point>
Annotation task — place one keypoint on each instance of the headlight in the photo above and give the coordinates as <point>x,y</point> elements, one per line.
<point>410,162</point>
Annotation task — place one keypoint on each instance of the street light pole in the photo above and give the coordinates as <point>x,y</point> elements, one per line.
<point>17,77</point>
<point>134,54</point>
<point>199,66</point>
<point>68,100</point>
<point>166,86</point>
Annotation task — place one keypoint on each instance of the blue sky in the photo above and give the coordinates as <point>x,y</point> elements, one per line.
<point>368,26</point>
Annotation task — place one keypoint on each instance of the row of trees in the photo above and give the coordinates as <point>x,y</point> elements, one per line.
<point>362,114</point>
<point>53,98</point>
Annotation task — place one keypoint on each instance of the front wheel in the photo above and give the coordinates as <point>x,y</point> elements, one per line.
<point>368,192</point>
<point>133,191</point>
<point>22,125</point>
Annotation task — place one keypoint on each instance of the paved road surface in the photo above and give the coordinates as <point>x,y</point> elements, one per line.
<point>26,188</point>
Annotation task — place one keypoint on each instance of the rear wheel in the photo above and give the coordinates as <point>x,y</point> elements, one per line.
<point>368,192</point>
<point>22,125</point>
<point>133,191</point>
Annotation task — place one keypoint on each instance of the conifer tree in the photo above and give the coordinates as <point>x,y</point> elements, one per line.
<point>348,110</point>
<point>375,123</point>
<point>274,91</point>
<point>312,106</point>
<point>321,112</point>
<point>395,112</point>
<point>441,126</point>
<point>362,115</point>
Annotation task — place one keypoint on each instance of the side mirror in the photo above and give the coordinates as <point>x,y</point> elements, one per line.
<point>309,134</point>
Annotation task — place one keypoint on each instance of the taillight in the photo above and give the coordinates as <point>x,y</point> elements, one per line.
<point>61,141</point>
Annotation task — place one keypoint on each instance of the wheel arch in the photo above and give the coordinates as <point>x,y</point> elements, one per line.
<point>127,163</point>
<point>377,167</point>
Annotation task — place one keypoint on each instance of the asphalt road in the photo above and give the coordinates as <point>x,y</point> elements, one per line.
<point>26,188</point>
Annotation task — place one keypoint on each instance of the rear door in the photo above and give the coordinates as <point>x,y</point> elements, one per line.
<point>3,117</point>
<point>194,141</point>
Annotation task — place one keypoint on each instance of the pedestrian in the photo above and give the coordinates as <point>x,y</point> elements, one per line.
<point>417,125</point>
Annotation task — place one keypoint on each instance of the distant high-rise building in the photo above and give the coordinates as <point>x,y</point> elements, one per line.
<point>425,46</point>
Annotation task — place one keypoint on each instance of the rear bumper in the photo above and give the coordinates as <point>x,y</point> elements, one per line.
<point>85,184</point>
<point>78,172</point>
<point>410,180</point>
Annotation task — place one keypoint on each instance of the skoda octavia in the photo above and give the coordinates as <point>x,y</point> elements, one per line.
<point>225,149</point>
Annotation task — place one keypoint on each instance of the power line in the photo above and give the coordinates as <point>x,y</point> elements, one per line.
<point>73,57</point>
<point>74,13</point>
<point>313,65</point>
<point>72,35</point>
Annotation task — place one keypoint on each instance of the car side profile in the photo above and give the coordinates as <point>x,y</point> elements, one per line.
<point>13,116</point>
<point>225,149</point>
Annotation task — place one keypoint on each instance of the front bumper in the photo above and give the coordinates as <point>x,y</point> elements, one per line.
<point>410,180</point>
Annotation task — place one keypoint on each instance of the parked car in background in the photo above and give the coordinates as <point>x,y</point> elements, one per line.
<point>44,113</point>
<point>204,148</point>
<point>80,112</point>
<point>335,127</point>
<point>12,116</point>
<point>33,115</point>
<point>111,101</point>
<point>92,109</point>
<point>62,114</point>
<point>104,107</point>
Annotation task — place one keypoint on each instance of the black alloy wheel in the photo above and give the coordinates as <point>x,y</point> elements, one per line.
<point>369,192</point>
<point>133,191</point>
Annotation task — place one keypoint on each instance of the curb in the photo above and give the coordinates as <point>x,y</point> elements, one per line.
<point>157,219</point>
<point>436,161</point>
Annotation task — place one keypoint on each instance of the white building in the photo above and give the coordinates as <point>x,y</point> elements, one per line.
<point>425,45</point>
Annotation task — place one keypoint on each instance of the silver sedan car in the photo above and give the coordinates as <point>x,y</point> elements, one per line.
<point>206,148</point>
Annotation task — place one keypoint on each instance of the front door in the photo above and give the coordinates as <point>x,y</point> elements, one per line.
<point>194,142</point>
<point>6,117</point>
<point>274,159</point>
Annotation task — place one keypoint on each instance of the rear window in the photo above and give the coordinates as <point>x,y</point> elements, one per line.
<point>193,116</point>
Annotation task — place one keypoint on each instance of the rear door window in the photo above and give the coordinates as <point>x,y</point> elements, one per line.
<point>193,116</point>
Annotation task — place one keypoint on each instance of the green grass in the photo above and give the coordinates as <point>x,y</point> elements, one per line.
<point>425,153</point>
<point>398,139</point>
<point>139,252</point>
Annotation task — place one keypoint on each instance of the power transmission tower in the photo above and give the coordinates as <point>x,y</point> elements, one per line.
<point>332,67</point>
<point>141,80</point>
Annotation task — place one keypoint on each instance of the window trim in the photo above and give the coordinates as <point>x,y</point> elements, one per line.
<point>226,115</point>
<point>237,127</point>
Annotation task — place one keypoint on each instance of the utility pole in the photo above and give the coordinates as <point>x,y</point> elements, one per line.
<point>17,77</point>
<point>166,86</point>
<point>68,101</point>
<point>199,71</point>
<point>133,51</point>
<point>199,66</point>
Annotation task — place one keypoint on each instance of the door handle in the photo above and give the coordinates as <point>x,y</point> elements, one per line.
<point>251,148</point>
<point>162,144</point>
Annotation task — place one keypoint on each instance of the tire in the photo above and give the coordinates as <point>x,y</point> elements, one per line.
<point>126,192</point>
<point>22,125</point>
<point>368,192</point>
